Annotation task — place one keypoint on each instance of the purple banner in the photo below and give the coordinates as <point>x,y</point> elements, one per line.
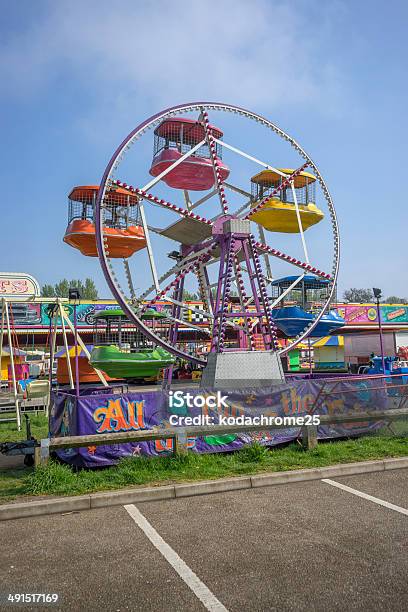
<point>104,413</point>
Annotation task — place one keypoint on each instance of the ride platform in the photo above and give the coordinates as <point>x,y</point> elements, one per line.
<point>187,231</point>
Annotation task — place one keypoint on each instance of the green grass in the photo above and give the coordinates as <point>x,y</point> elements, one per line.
<point>8,431</point>
<point>58,479</point>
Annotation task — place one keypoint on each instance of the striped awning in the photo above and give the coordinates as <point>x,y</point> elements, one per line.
<point>329,341</point>
<point>81,352</point>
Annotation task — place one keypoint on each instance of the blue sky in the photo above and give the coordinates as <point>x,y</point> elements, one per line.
<point>77,76</point>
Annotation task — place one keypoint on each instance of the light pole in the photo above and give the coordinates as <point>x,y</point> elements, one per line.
<point>74,296</point>
<point>377,295</point>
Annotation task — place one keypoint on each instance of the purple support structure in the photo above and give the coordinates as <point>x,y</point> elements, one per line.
<point>232,243</point>
<point>381,335</point>
<point>215,162</point>
<point>264,296</point>
<point>207,281</point>
<point>226,290</point>
<point>218,297</point>
<point>76,352</point>
<point>51,351</point>
<point>251,276</point>
<point>244,299</point>
<point>176,312</point>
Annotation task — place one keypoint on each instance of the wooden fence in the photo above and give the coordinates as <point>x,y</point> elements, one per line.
<point>179,435</point>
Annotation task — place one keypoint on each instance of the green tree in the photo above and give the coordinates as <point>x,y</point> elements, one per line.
<point>358,296</point>
<point>393,299</point>
<point>48,291</point>
<point>189,296</point>
<point>90,291</point>
<point>62,288</point>
<point>87,289</point>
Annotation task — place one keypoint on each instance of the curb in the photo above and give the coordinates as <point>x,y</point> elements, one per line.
<point>206,487</point>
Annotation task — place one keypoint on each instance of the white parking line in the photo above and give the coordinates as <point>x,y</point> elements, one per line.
<point>376,500</point>
<point>199,589</point>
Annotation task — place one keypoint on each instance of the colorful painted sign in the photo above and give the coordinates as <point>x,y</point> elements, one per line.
<point>18,285</point>
<point>365,314</point>
<point>109,413</point>
<point>36,315</point>
<point>360,314</point>
<point>394,314</point>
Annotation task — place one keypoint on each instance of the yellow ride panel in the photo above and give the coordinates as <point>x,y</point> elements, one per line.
<point>277,216</point>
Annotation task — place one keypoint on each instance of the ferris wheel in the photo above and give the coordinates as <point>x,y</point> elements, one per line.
<point>212,195</point>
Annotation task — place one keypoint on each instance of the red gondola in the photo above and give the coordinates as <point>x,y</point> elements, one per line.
<point>175,137</point>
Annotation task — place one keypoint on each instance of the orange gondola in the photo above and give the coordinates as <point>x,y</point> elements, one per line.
<point>122,224</point>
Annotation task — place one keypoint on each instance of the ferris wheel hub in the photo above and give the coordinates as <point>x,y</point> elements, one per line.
<point>218,225</point>
<point>228,224</point>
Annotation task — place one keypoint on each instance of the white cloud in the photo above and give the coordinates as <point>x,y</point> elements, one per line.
<point>263,53</point>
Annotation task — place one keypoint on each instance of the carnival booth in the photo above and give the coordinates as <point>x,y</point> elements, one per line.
<point>329,353</point>
<point>21,367</point>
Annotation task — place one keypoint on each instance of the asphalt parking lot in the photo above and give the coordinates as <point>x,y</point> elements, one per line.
<point>303,546</point>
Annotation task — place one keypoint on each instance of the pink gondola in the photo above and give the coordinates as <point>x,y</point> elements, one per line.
<point>175,137</point>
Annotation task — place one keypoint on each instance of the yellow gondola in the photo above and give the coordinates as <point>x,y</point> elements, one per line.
<point>279,212</point>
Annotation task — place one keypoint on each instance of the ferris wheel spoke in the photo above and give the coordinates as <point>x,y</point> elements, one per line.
<point>165,276</point>
<point>261,233</point>
<point>250,157</point>
<point>177,311</point>
<point>183,322</point>
<point>288,290</point>
<point>205,313</point>
<point>187,199</point>
<point>173,207</point>
<point>149,248</point>
<point>160,176</point>
<point>214,160</point>
<point>242,192</point>
<point>264,248</point>
<point>208,196</point>
<point>186,306</point>
<point>270,327</point>
<point>203,286</point>
<point>284,183</point>
<point>177,268</point>
<point>299,220</point>
<point>243,207</point>
<point>202,248</point>
<point>129,280</point>
<point>205,255</point>
<point>239,190</point>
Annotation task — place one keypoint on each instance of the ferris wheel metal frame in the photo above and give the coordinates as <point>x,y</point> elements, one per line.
<point>197,258</point>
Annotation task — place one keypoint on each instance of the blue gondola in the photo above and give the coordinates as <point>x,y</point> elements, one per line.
<point>293,318</point>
